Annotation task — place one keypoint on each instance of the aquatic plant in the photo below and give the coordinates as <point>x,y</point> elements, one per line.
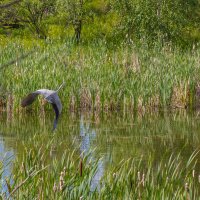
<point>127,77</point>
<point>41,173</point>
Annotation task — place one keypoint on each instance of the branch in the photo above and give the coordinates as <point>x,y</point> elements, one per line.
<point>9,4</point>
<point>17,59</point>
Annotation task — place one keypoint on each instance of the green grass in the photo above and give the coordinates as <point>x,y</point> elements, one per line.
<point>39,173</point>
<point>100,77</point>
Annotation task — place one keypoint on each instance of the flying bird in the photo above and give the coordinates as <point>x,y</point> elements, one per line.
<point>51,96</point>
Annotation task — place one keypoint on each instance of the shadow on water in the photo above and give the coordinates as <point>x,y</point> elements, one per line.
<point>114,137</point>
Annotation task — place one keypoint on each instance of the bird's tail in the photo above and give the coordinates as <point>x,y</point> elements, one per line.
<point>60,86</point>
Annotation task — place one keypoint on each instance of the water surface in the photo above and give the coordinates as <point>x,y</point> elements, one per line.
<point>113,136</point>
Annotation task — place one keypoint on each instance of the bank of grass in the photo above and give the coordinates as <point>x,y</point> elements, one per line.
<point>43,174</point>
<point>101,76</point>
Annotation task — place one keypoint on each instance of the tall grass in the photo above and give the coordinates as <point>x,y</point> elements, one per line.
<point>102,78</point>
<point>43,174</point>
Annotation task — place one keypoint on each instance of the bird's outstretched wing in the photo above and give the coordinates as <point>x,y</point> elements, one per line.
<point>51,96</point>
<point>29,99</point>
<point>54,99</point>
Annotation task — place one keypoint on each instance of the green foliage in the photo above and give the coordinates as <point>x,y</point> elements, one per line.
<point>125,78</point>
<point>76,13</point>
<point>120,20</point>
<point>8,16</point>
<point>156,19</point>
<point>34,13</point>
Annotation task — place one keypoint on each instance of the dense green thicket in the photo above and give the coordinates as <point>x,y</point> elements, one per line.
<point>157,19</point>
<point>149,21</point>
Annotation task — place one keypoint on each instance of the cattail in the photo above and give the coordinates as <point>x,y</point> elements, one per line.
<point>167,179</point>
<point>143,179</point>
<point>64,170</point>
<point>81,168</point>
<point>187,190</point>
<point>42,103</point>
<point>72,103</point>
<point>61,183</point>
<point>10,103</point>
<point>139,185</point>
<point>187,187</point>
<point>199,178</point>
<point>22,167</point>
<point>55,187</point>
<point>97,103</point>
<point>193,173</point>
<point>51,150</point>
<point>138,176</point>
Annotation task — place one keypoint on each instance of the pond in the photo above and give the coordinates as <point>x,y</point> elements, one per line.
<point>112,136</point>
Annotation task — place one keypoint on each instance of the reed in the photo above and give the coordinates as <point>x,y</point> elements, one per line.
<point>103,78</point>
<point>39,174</point>
<point>139,165</point>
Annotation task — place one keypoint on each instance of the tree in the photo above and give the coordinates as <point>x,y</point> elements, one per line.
<point>156,19</point>
<point>76,12</point>
<point>34,12</point>
<point>8,15</point>
<point>9,4</point>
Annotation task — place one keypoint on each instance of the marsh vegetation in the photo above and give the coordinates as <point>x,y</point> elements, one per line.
<point>153,156</point>
<point>130,123</point>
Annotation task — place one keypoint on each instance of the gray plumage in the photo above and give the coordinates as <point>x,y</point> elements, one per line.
<point>51,96</point>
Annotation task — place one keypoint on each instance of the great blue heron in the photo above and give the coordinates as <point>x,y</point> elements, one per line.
<point>51,96</point>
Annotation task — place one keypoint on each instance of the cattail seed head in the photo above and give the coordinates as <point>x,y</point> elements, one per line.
<point>143,179</point>
<point>22,167</point>
<point>64,170</point>
<point>138,175</point>
<point>54,187</point>
<point>199,178</point>
<point>186,187</point>
<point>193,173</point>
<point>61,183</point>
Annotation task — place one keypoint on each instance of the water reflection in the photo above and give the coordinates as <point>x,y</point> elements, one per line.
<point>88,136</point>
<point>115,137</point>
<point>6,160</point>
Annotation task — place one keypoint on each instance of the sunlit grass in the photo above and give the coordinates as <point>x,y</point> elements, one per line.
<point>101,78</point>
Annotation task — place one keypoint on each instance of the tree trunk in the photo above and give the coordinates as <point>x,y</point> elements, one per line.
<point>77,30</point>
